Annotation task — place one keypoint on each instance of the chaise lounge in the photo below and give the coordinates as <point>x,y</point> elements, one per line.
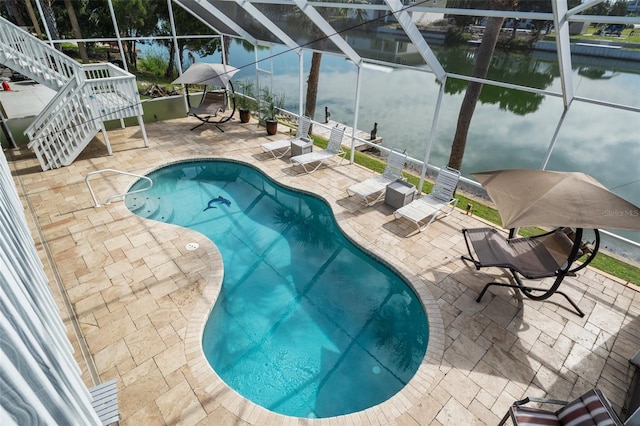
<point>334,149</point>
<point>282,147</point>
<point>431,205</point>
<point>376,186</point>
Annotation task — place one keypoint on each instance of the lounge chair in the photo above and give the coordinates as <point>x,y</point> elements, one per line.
<point>334,149</point>
<point>547,255</point>
<point>373,189</point>
<point>590,409</point>
<point>281,147</point>
<point>439,200</point>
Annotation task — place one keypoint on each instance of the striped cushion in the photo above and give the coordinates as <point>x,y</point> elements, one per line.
<point>591,409</point>
<point>525,416</point>
<point>588,410</point>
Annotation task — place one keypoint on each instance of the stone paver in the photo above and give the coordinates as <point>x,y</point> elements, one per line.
<point>140,299</point>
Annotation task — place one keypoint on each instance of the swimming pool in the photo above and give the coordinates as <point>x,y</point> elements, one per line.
<point>306,324</point>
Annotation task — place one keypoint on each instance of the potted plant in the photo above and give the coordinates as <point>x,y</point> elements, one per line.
<point>270,105</point>
<point>245,100</point>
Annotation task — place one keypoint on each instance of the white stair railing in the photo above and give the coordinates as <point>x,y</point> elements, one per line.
<point>27,55</point>
<point>108,200</point>
<point>63,129</point>
<point>88,95</point>
<point>111,92</point>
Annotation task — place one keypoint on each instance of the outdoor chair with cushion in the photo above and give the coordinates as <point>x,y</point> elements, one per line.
<point>334,149</point>
<point>372,190</point>
<point>281,147</point>
<point>590,409</point>
<point>547,255</point>
<point>439,200</point>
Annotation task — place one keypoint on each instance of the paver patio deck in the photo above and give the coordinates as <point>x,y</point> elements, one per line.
<point>135,299</point>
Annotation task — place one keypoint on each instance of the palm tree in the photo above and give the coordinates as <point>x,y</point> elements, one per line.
<point>73,19</point>
<point>480,69</point>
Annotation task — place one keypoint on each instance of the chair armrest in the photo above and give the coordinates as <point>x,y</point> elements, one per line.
<point>540,400</point>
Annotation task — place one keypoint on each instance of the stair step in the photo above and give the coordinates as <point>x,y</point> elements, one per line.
<point>142,205</point>
<point>164,212</point>
<point>149,207</point>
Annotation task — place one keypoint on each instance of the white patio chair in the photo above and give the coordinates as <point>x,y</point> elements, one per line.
<point>373,189</point>
<point>440,200</point>
<point>105,402</point>
<point>334,149</point>
<point>281,147</point>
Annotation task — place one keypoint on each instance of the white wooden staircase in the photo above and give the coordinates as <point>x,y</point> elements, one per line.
<point>87,96</point>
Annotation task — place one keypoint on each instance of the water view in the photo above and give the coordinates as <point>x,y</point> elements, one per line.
<point>510,128</point>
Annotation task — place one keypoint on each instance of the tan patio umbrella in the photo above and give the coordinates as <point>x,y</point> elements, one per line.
<point>547,198</point>
<point>207,74</point>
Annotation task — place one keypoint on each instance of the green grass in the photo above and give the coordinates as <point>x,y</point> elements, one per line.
<point>602,261</point>
<point>625,37</point>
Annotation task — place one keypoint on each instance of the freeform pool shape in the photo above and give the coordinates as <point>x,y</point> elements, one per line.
<point>306,323</point>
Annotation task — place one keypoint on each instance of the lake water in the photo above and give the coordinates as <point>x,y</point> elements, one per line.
<point>510,128</point>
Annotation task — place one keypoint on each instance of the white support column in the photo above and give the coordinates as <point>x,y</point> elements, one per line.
<point>143,130</point>
<point>44,22</point>
<point>432,135</point>
<point>106,137</point>
<point>118,39</point>
<point>328,30</point>
<point>552,144</point>
<point>564,49</point>
<point>268,24</point>
<point>301,83</point>
<point>416,38</point>
<point>176,48</point>
<point>355,118</point>
<point>217,13</point>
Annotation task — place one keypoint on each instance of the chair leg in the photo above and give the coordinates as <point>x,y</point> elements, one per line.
<point>486,287</point>
<point>504,419</point>
<point>527,292</point>
<point>195,127</point>
<point>433,217</point>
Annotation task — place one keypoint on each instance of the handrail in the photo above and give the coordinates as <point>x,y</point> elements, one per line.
<point>108,201</point>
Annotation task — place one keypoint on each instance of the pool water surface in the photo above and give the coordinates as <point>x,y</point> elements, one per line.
<point>306,323</point>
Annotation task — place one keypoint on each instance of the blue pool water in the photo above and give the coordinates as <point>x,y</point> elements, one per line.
<point>306,324</point>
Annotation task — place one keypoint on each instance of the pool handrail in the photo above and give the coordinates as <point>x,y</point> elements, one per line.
<point>109,199</point>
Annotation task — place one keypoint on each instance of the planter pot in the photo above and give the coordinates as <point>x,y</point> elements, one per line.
<point>245,115</point>
<point>272,126</point>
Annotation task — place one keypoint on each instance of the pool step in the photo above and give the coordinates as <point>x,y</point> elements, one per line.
<point>149,207</point>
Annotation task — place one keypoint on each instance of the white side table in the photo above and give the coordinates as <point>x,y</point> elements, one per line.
<point>301,146</point>
<point>399,193</point>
